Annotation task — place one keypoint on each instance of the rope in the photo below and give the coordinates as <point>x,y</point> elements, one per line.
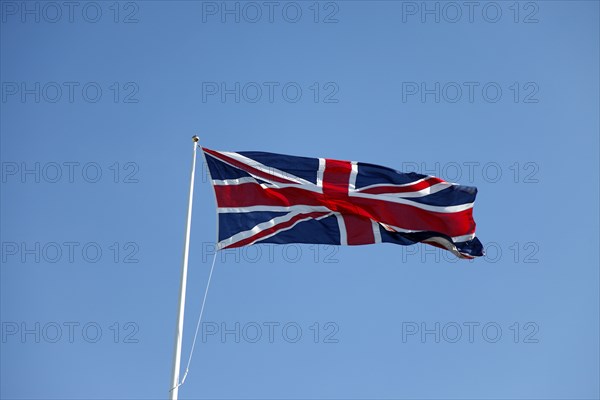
<point>187,368</point>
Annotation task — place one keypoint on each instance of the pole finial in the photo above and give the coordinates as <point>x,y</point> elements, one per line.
<point>195,138</point>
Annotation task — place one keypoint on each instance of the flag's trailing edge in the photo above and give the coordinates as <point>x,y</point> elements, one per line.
<point>275,198</point>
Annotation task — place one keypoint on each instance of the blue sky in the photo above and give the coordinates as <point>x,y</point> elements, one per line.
<point>99,103</point>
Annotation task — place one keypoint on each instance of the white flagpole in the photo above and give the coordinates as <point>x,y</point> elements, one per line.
<point>182,287</point>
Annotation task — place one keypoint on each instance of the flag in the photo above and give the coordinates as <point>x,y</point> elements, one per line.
<point>275,198</point>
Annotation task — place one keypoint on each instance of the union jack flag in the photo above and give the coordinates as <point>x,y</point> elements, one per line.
<point>275,198</point>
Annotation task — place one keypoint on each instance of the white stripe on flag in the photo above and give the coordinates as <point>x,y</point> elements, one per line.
<point>353,174</point>
<point>376,231</point>
<point>320,172</point>
<point>342,227</point>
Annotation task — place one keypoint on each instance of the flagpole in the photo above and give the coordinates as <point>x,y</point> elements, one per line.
<point>182,287</point>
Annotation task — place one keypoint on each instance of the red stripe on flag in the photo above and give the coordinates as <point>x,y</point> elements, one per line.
<point>404,189</point>
<point>278,227</point>
<point>358,230</point>
<point>336,177</point>
<point>252,194</point>
<point>401,215</point>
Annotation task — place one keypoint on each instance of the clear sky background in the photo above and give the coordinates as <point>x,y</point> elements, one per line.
<point>379,321</point>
